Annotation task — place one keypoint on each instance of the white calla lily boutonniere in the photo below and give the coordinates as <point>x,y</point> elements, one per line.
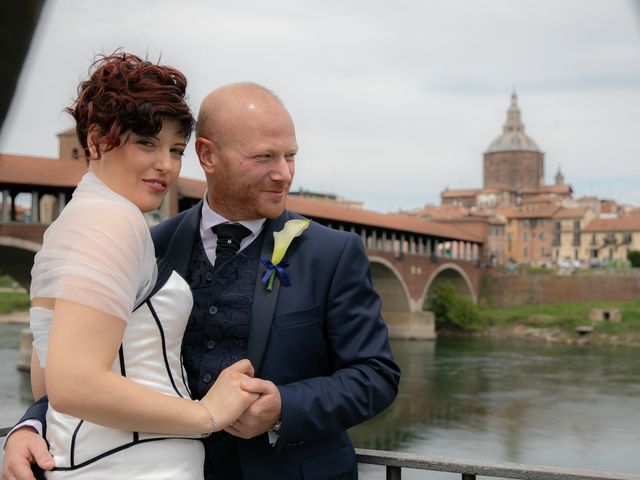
<point>282,240</point>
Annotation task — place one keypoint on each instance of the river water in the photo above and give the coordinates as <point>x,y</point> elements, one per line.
<point>556,405</point>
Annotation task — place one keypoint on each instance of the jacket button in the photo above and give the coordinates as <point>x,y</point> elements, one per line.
<point>213,310</point>
<point>209,276</point>
<point>211,344</point>
<point>206,378</point>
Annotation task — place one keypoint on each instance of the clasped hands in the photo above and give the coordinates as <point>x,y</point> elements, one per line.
<point>248,406</point>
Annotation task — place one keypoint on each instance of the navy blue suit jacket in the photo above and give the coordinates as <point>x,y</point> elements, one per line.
<point>321,340</point>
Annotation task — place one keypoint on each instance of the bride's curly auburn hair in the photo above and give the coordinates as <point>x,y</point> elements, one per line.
<point>127,94</point>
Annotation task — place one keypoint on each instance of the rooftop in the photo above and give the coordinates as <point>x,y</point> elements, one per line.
<point>620,224</point>
<point>23,170</point>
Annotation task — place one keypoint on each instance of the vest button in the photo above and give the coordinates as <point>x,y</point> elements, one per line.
<point>206,378</point>
<point>213,310</point>
<point>211,344</point>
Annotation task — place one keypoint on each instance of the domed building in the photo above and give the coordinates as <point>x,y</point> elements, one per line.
<point>520,209</point>
<point>513,160</point>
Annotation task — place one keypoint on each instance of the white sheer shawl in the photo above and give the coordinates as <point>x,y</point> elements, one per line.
<point>97,253</point>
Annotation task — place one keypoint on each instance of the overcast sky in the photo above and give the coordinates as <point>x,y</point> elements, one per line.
<point>393,100</point>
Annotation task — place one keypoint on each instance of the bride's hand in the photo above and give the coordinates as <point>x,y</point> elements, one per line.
<point>225,399</point>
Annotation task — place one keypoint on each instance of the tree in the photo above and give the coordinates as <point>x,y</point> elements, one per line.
<point>454,310</point>
<point>634,257</point>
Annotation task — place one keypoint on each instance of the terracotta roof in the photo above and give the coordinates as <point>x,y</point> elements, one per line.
<point>468,192</point>
<point>506,211</point>
<point>23,170</point>
<point>472,226</point>
<point>406,223</point>
<point>570,213</point>
<point>553,188</point>
<point>635,211</point>
<point>329,211</point>
<point>620,224</point>
<point>545,211</point>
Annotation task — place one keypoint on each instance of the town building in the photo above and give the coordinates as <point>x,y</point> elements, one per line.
<point>610,239</point>
<point>568,226</point>
<point>529,235</point>
<point>513,171</point>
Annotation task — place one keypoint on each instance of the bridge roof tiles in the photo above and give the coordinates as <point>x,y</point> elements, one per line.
<point>398,222</point>
<point>341,213</point>
<point>40,171</point>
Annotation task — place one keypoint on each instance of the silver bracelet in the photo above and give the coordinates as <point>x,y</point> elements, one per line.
<point>211,419</point>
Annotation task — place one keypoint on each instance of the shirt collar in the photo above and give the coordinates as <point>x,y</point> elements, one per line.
<point>210,218</point>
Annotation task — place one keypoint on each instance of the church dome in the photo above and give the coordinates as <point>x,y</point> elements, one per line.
<point>513,137</point>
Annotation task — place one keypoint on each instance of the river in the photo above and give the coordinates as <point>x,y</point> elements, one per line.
<point>556,405</point>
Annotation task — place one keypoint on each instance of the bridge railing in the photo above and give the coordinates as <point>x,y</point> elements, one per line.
<point>469,469</point>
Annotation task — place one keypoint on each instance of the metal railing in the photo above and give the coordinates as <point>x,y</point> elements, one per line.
<point>469,469</point>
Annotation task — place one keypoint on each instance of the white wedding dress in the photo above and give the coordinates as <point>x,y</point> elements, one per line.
<point>99,253</point>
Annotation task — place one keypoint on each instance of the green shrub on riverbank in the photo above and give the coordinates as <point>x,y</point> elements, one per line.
<point>452,310</point>
<point>10,301</point>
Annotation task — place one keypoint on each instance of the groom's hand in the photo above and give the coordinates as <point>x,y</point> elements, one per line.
<point>261,414</point>
<point>24,447</point>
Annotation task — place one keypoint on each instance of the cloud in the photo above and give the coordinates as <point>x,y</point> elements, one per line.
<point>393,101</point>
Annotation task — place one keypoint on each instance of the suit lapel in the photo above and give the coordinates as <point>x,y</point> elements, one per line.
<point>179,250</point>
<point>264,301</point>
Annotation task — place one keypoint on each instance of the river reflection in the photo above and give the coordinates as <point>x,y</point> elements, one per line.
<point>478,399</point>
<point>518,402</point>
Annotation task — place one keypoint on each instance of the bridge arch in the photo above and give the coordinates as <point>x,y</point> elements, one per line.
<point>17,258</point>
<point>398,307</point>
<point>454,274</point>
<point>390,285</point>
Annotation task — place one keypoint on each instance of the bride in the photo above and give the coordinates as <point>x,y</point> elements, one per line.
<point>107,318</point>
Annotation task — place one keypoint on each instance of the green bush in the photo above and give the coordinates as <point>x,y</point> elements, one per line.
<point>453,310</point>
<point>634,257</point>
<point>10,301</point>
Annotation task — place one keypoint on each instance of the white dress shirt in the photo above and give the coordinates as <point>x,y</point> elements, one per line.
<point>211,219</point>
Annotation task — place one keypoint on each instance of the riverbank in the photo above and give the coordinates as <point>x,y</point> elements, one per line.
<point>600,323</point>
<point>548,335</point>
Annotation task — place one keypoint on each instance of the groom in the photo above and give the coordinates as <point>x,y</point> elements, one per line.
<point>315,338</point>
